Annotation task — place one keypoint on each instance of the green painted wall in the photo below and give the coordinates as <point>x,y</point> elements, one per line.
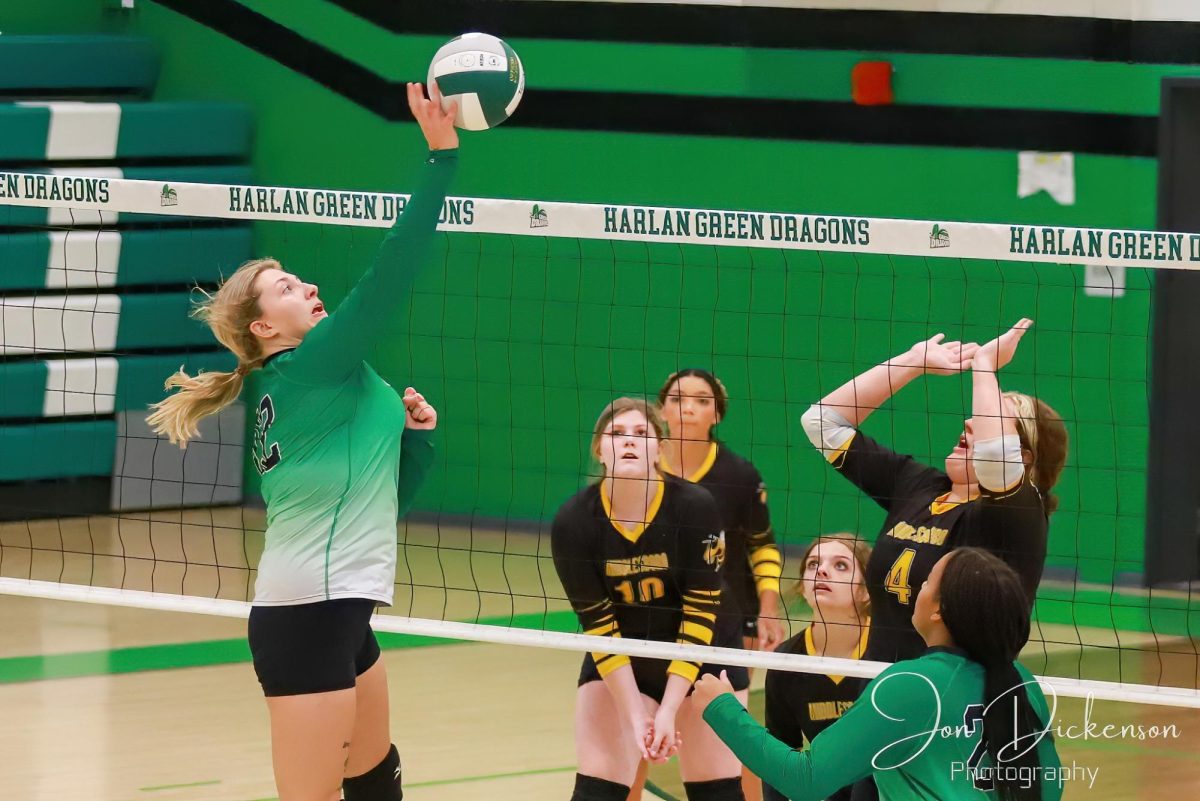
<point>520,342</point>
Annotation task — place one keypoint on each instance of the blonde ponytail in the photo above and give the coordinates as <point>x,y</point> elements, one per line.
<point>228,313</point>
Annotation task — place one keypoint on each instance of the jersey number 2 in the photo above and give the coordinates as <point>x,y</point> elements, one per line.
<point>265,459</point>
<point>972,720</point>
<point>897,578</point>
<point>649,589</point>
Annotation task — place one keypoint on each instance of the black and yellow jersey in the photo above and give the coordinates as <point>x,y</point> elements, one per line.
<point>753,563</point>
<point>921,526</point>
<point>657,581</point>
<point>799,706</point>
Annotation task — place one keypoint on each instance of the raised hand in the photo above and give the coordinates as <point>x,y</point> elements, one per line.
<point>941,358</point>
<point>418,413</point>
<point>437,124</point>
<point>995,354</point>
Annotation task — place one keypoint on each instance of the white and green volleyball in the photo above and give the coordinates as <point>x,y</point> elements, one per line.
<point>483,75</point>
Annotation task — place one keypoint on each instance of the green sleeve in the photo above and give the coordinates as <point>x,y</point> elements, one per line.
<point>846,751</point>
<point>340,343</point>
<point>416,457</point>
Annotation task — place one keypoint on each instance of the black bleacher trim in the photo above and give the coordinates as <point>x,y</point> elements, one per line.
<point>57,497</point>
<point>1020,35</point>
<point>46,356</point>
<point>115,94</point>
<point>1007,129</point>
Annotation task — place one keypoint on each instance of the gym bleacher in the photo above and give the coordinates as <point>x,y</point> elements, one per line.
<point>93,314</point>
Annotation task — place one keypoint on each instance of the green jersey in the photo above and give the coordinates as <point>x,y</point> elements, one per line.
<point>337,465</point>
<point>917,728</point>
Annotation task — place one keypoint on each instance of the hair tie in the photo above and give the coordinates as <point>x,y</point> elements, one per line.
<point>243,370</point>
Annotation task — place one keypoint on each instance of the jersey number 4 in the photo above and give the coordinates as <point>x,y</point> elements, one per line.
<point>897,581</point>
<point>265,458</point>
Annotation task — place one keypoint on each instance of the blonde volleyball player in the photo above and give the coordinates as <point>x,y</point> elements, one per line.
<point>994,491</point>
<point>639,555</point>
<point>799,706</point>
<point>340,455</point>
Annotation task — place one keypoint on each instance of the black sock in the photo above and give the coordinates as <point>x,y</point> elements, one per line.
<point>716,790</point>
<point>589,788</point>
<point>380,783</point>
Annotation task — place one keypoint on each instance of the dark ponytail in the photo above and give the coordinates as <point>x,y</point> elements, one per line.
<point>987,612</point>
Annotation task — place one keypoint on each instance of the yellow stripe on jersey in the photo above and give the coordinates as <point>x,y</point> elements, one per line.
<point>605,628</point>
<point>632,534</point>
<point>690,611</point>
<point>688,670</point>
<point>766,563</point>
<point>709,460</point>
<point>810,647</point>
<point>835,457</point>
<point>705,466</point>
<point>697,632</point>
<point>607,663</point>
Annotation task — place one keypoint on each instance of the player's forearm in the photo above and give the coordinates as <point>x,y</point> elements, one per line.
<point>676,690</point>
<point>777,764</point>
<point>987,407</point>
<point>416,458</point>
<point>859,397</point>
<point>406,244</point>
<point>622,685</point>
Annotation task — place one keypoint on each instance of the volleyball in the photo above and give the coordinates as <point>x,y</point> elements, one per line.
<point>483,75</point>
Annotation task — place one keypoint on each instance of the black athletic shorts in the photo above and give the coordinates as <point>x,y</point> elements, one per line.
<point>312,648</point>
<point>651,674</point>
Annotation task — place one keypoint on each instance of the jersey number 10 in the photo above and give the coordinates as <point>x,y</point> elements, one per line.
<point>649,589</point>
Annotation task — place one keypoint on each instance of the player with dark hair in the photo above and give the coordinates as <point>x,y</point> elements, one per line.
<point>964,720</point>
<point>693,403</point>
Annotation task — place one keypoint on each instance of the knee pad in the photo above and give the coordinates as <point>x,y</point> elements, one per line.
<point>590,788</point>
<point>380,783</point>
<point>716,790</point>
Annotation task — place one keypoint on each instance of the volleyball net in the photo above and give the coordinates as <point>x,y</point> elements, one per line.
<point>533,315</point>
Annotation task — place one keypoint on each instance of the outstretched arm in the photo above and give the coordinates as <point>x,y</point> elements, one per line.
<point>337,345</point>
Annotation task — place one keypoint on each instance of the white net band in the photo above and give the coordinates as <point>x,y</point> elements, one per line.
<point>650,224</point>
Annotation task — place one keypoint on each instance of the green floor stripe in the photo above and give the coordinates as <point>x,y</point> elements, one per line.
<point>170,656</point>
<point>179,786</point>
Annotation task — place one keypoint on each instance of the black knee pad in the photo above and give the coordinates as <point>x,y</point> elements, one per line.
<point>716,790</point>
<point>589,788</point>
<point>380,783</point>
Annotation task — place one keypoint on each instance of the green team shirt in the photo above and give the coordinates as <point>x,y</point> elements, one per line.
<point>917,728</point>
<point>337,465</point>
